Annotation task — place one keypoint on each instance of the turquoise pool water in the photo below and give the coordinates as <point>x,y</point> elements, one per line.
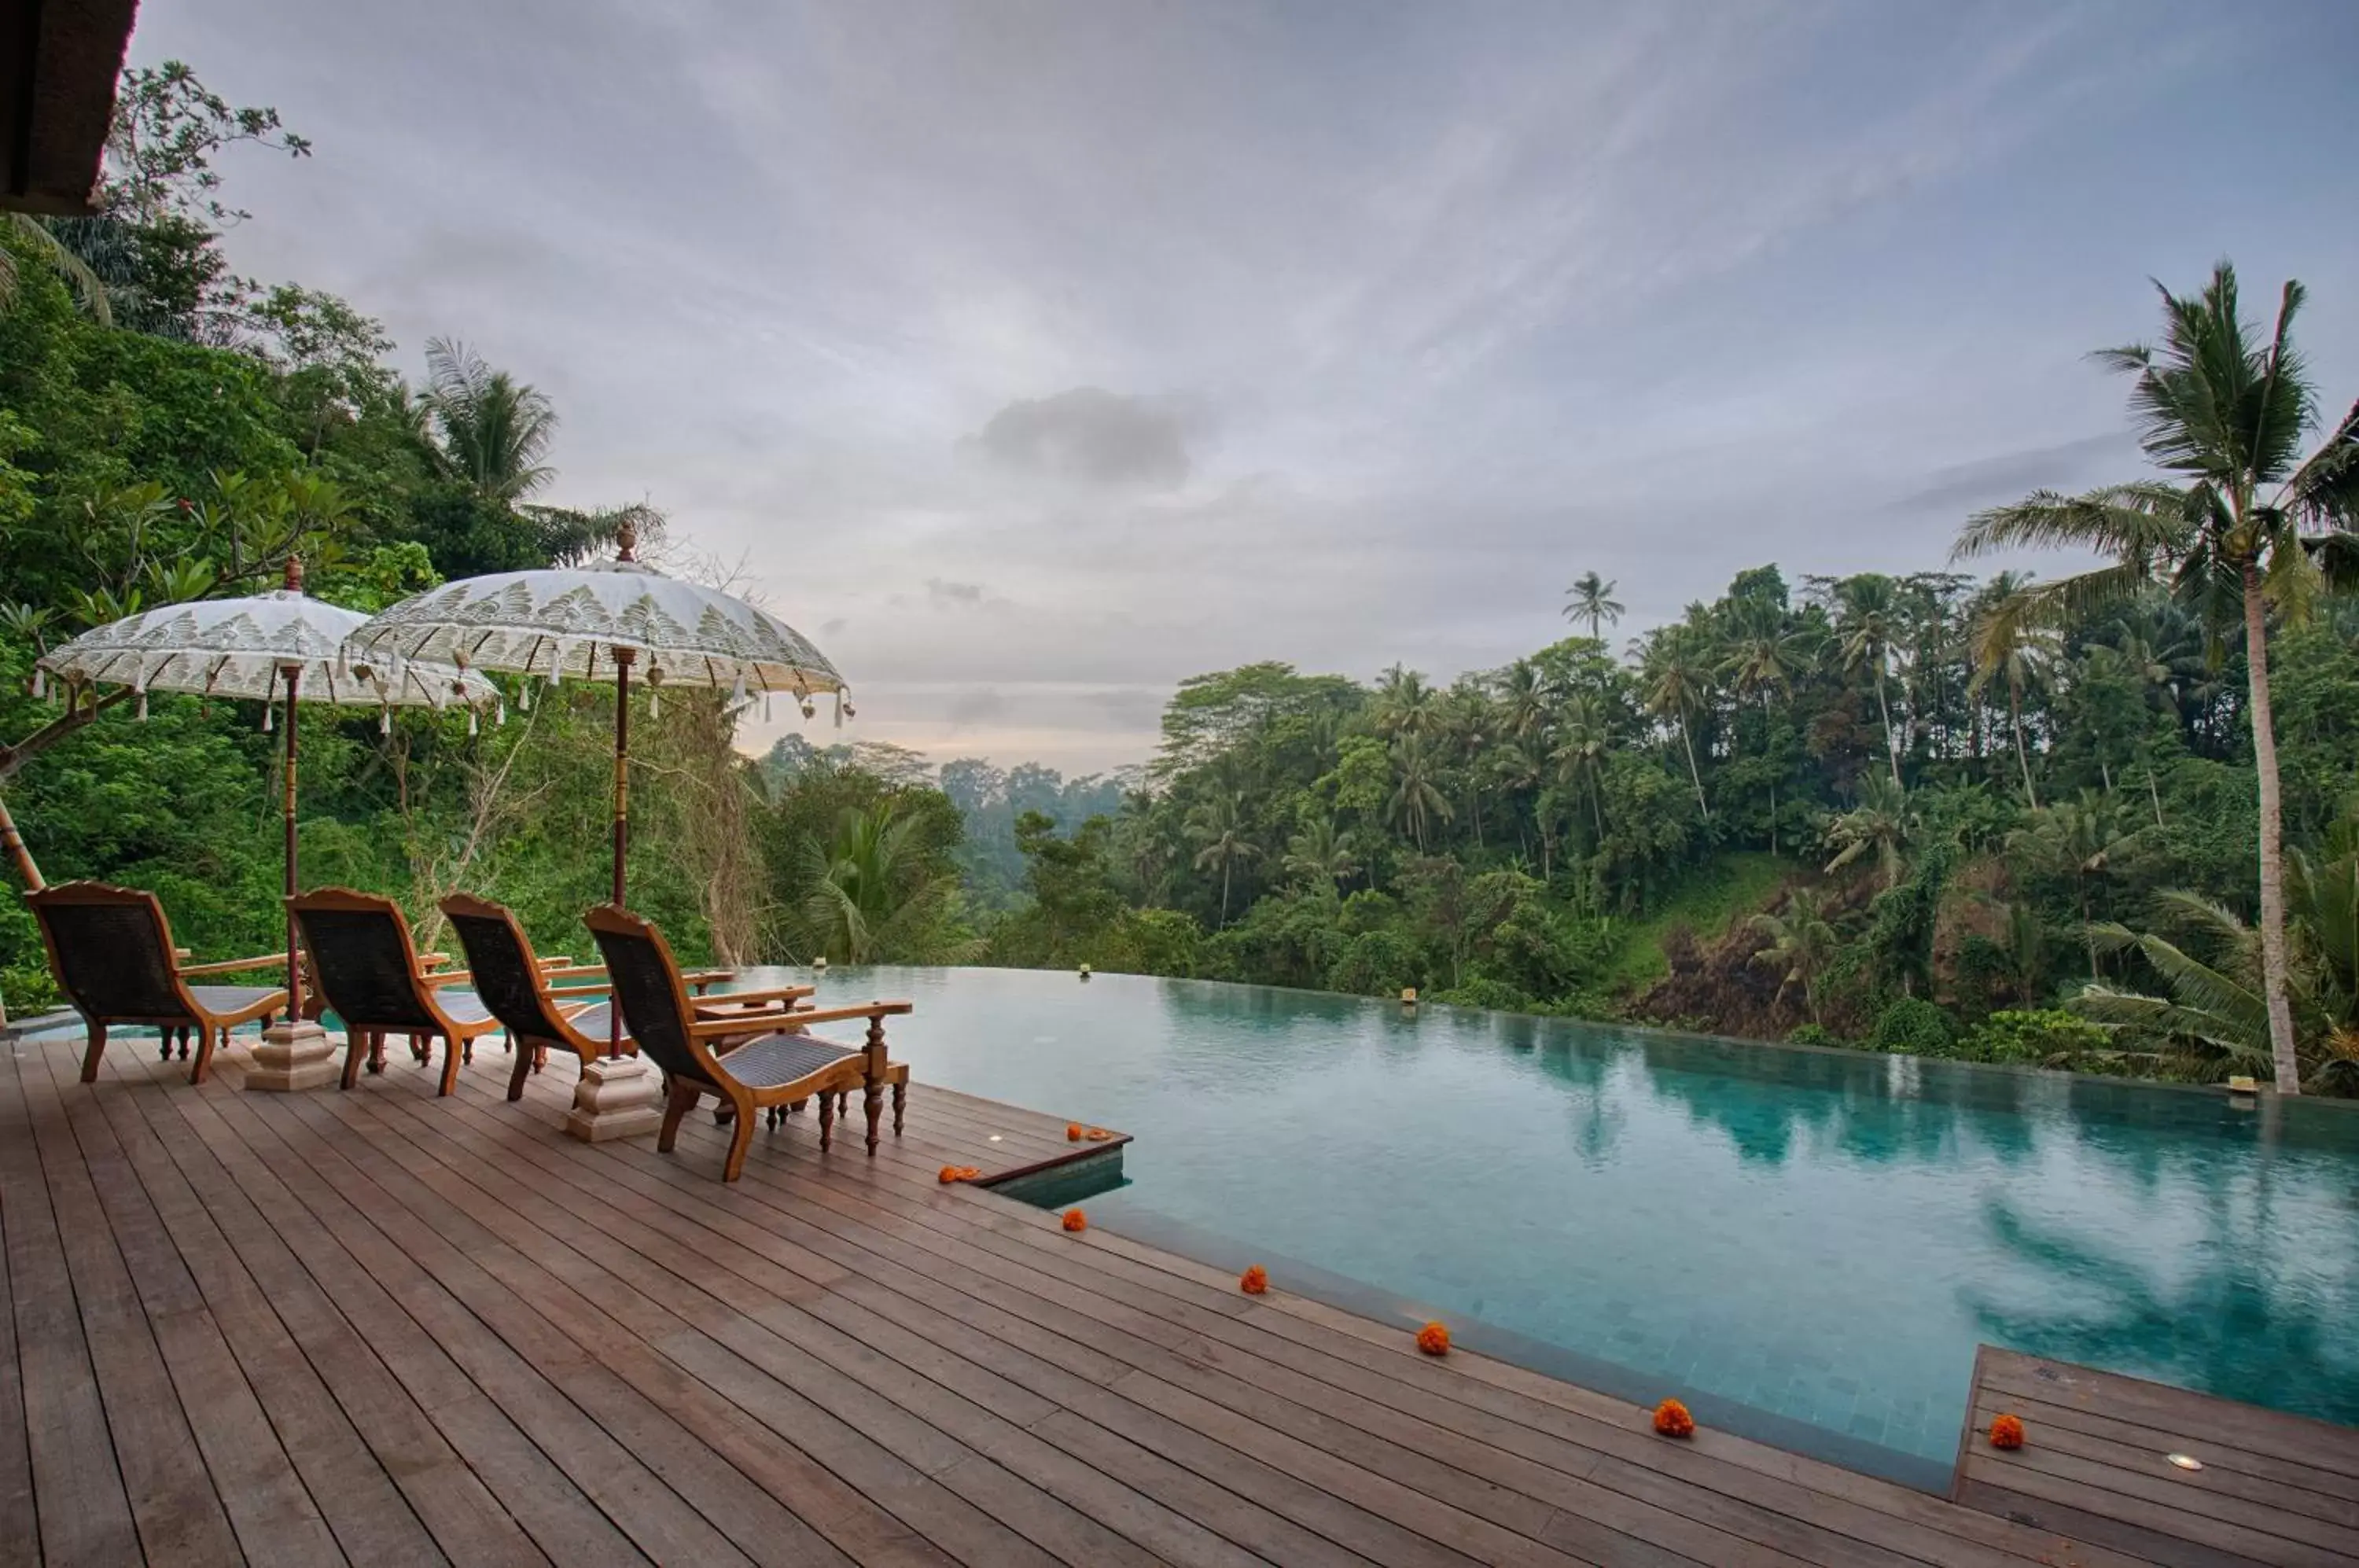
<point>1808,1243</point>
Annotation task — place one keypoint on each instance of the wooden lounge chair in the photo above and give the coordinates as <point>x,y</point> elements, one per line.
<point>111,949</point>
<point>753,1059</point>
<point>520,990</point>
<point>373,979</point>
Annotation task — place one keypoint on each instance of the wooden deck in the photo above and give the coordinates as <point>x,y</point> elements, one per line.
<point>380,1327</point>
<point>2274,1488</point>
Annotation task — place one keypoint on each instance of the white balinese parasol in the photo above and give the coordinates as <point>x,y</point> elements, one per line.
<point>266,647</point>
<point>599,623</point>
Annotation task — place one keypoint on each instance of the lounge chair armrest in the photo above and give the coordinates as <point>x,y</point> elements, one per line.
<point>432,960</point>
<point>865,1010</point>
<point>765,1022</point>
<point>573,972</point>
<point>556,960</point>
<point>770,994</point>
<point>448,977</point>
<point>231,966</point>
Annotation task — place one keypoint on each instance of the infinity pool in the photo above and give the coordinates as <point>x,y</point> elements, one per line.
<point>1807,1245</point>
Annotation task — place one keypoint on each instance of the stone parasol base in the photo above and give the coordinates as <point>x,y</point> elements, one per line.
<point>618,1096</point>
<point>293,1055</point>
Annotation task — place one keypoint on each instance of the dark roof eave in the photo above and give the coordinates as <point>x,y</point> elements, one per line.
<point>57,98</point>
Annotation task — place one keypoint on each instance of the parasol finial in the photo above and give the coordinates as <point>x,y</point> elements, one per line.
<point>294,574</point>
<point>626,538</point>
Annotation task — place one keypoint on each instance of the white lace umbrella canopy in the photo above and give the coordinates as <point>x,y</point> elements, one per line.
<point>242,648</point>
<point>265,647</point>
<point>615,621</point>
<point>567,624</point>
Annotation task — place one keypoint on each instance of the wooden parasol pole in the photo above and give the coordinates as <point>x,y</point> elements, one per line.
<point>294,673</point>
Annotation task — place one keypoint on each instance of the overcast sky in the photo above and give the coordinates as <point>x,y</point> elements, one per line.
<point>1035,356</point>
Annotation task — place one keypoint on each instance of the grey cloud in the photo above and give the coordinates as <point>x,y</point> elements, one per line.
<point>1092,436</point>
<point>975,705</point>
<point>953,594</point>
<point>2009,475</point>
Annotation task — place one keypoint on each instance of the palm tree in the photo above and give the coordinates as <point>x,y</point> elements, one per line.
<point>89,288</point>
<point>1867,616</point>
<point>1416,799</point>
<point>2010,640</point>
<point>1468,724</point>
<point>2225,414</point>
<point>1322,852</point>
<point>1765,653</point>
<point>2079,839</point>
<point>1220,836</point>
<point>1591,599</point>
<point>1523,698</point>
<point>1802,943</point>
<point>495,430</point>
<point>872,895</point>
<point>1881,826</point>
<point>1677,685</point>
<point>1584,738</point>
<point>1405,704</point>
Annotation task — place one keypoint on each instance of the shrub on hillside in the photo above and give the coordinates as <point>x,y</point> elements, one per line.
<point>1915,1025</point>
<point>1813,1034</point>
<point>2047,1036</point>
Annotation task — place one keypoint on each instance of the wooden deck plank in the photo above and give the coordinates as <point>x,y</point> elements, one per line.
<point>84,1512</point>
<point>268,1507</point>
<point>734,1278</point>
<point>366,1513</point>
<point>700,1291</point>
<point>547,1278</point>
<point>560,1521</point>
<point>176,1512</point>
<point>334,1402</point>
<point>2096,1462</point>
<point>20,1520</point>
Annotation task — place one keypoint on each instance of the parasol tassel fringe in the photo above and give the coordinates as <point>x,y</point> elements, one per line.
<point>766,707</point>
<point>384,721</point>
<point>500,715</point>
<point>268,709</point>
<point>474,727</point>
<point>524,695</point>
<point>655,704</point>
<point>41,685</point>
<point>142,708</point>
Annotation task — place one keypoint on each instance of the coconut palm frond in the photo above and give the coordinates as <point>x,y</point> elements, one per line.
<point>89,288</point>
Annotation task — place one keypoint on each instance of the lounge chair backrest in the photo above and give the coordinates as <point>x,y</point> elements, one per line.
<point>648,988</point>
<point>500,967</point>
<point>111,950</point>
<point>361,952</point>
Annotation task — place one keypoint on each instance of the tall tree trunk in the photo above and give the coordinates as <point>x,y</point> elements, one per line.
<point>1228,862</point>
<point>1686,739</point>
<point>1891,754</point>
<point>2015,719</point>
<point>2273,906</point>
<point>2154,793</point>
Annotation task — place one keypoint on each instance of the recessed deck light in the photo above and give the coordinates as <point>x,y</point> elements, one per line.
<point>2185,1461</point>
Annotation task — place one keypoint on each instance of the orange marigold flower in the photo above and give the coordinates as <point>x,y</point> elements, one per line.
<point>1072,1132</point>
<point>1255,1281</point>
<point>950,1174</point>
<point>1076,1221</point>
<point>958,1174</point>
<point>1672,1419</point>
<point>1433,1339</point>
<point>2007,1431</point>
